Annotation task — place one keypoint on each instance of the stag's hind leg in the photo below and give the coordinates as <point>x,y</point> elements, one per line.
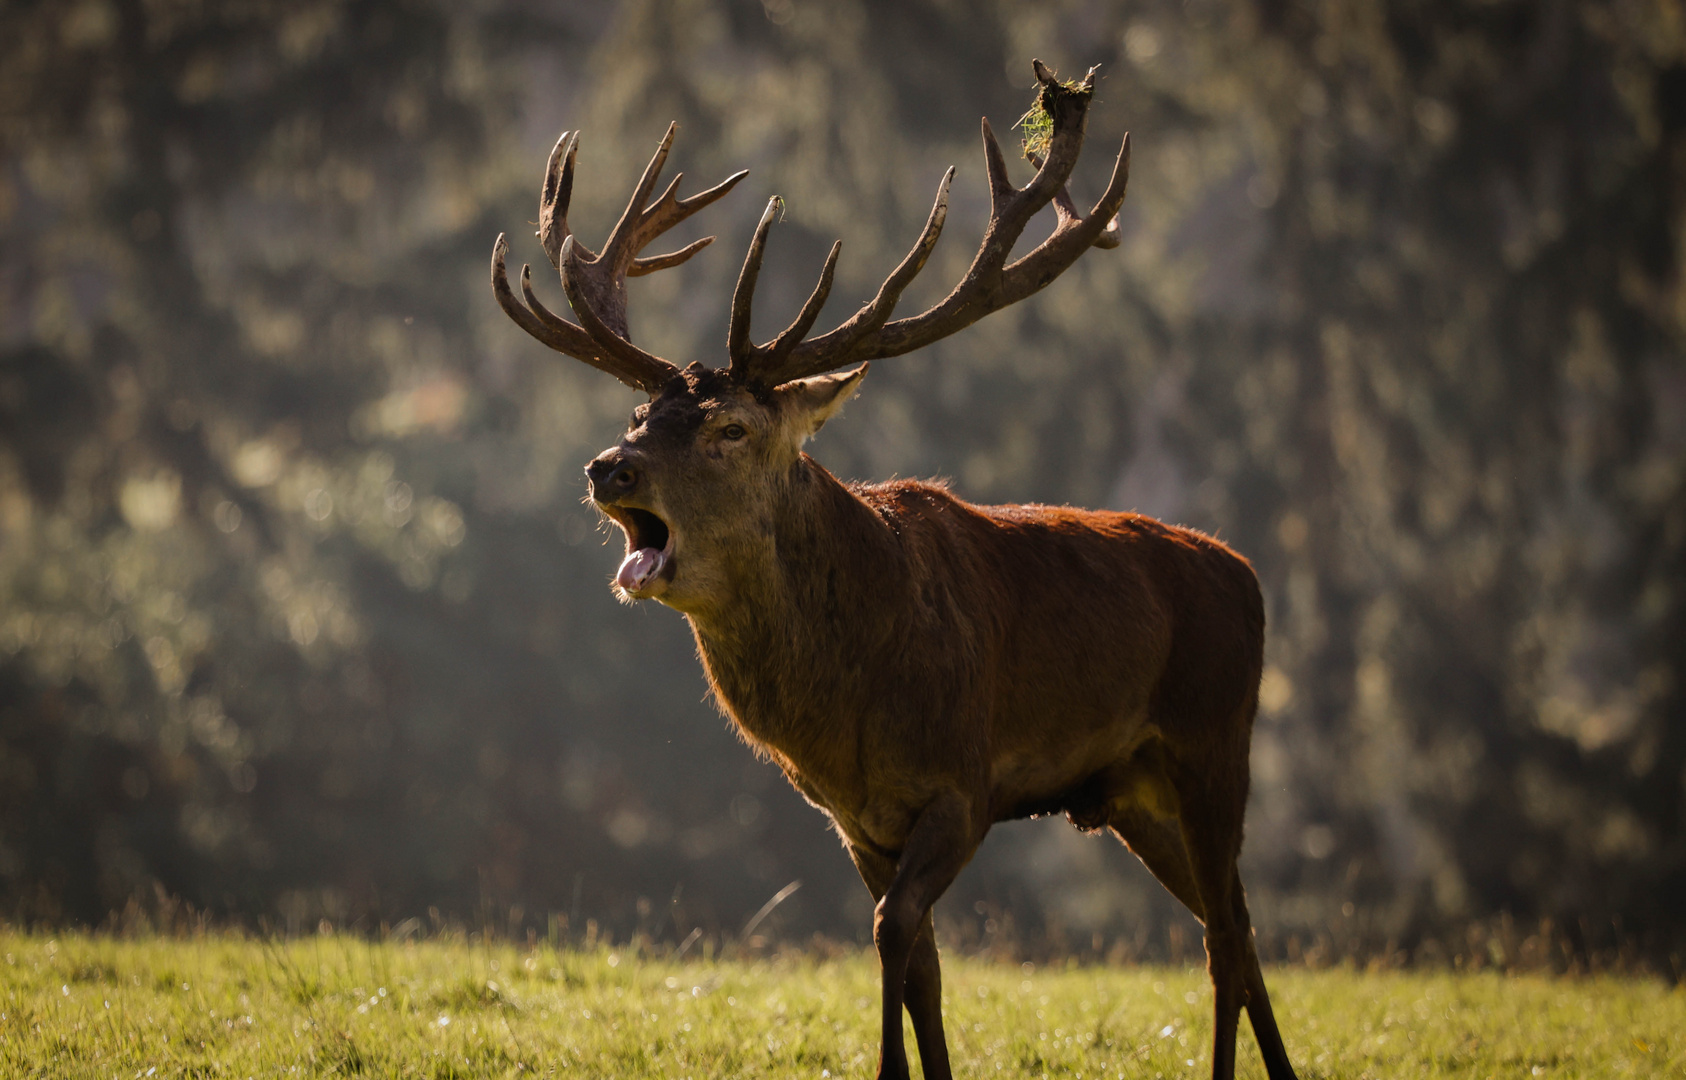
<point>1259,1012</point>
<point>1158,843</point>
<point>1163,837</point>
<point>1211,810</point>
<point>1162,846</point>
<point>1211,856</point>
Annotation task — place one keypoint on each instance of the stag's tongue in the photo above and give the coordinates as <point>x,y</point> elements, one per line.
<point>640,568</point>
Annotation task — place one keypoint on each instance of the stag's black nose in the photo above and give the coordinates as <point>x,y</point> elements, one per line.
<point>612,476</point>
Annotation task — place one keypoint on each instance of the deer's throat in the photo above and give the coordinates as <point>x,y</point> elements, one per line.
<point>812,584</point>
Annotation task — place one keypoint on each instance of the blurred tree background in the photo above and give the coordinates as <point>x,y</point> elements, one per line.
<point>300,616</point>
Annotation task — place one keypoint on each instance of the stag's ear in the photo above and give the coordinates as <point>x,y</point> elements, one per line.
<point>819,398</point>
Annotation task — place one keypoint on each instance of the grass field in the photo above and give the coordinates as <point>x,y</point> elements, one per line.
<point>78,1006</point>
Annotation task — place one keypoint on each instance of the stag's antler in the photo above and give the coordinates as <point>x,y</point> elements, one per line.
<point>989,285</point>
<point>596,284</point>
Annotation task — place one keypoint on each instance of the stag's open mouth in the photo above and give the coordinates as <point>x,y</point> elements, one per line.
<point>649,549</point>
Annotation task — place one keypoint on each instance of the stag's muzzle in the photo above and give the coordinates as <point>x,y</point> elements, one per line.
<point>613,477</point>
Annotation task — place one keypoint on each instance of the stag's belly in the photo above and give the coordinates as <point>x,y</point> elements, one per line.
<point>1076,698</point>
<point>1079,777</point>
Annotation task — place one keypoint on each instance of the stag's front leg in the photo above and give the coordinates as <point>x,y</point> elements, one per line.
<point>940,844</point>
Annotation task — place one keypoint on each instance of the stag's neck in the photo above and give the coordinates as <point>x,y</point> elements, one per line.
<point>809,607</point>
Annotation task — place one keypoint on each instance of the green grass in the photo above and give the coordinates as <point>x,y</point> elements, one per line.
<point>332,1006</point>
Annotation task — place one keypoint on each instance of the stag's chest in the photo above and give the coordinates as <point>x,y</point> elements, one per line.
<point>841,753</point>
<point>807,720</point>
<point>816,747</point>
<point>866,815</point>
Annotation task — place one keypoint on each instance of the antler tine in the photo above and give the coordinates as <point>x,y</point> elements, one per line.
<point>738,347</point>
<point>557,193</point>
<point>989,284</point>
<point>777,349</point>
<point>552,320</point>
<point>748,360</point>
<point>1071,238</point>
<point>878,311</point>
<point>1066,209</point>
<point>668,212</point>
<point>688,206</point>
<point>640,223</point>
<point>560,340</point>
<point>628,235</point>
<point>1001,189</point>
<point>841,346</point>
<point>650,265</point>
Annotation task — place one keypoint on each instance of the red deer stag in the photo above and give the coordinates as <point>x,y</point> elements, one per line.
<point>920,667</point>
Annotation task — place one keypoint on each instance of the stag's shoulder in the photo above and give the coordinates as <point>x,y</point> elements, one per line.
<point>901,502</point>
<point>928,520</point>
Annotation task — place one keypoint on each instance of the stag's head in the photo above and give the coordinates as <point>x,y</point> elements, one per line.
<point>703,469</point>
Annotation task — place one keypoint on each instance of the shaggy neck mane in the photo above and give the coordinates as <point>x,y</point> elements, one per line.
<point>828,585</point>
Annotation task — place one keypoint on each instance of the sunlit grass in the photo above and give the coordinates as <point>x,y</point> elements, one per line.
<point>331,1006</point>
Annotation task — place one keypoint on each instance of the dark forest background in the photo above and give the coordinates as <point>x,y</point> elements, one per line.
<point>301,616</point>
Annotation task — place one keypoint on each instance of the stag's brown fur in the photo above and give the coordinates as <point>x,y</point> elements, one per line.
<point>907,657</point>
<point>921,667</point>
<point>905,642</point>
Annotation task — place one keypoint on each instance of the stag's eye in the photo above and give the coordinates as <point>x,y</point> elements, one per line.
<point>733,432</point>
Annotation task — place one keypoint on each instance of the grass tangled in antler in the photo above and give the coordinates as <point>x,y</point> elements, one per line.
<point>1037,123</point>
